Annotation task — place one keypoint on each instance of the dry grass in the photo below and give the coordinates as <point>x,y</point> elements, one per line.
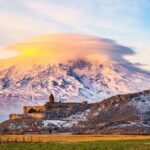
<point>67,138</point>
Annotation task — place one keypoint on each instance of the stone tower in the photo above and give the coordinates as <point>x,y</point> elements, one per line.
<point>51,99</point>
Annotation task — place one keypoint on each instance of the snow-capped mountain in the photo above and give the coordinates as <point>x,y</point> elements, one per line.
<point>76,81</point>
<point>73,67</point>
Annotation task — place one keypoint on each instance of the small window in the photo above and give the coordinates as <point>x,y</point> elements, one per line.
<point>32,110</point>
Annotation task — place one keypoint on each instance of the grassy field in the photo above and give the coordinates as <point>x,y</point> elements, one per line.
<point>97,145</point>
<point>74,142</point>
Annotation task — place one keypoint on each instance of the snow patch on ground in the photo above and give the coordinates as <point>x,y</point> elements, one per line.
<point>138,124</point>
<point>69,121</point>
<point>142,103</point>
<point>79,116</point>
<point>58,123</point>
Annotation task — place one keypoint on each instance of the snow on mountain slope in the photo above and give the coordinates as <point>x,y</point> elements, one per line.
<point>72,67</point>
<point>142,103</point>
<point>75,81</point>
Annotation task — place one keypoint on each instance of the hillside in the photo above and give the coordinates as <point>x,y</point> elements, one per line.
<point>121,114</point>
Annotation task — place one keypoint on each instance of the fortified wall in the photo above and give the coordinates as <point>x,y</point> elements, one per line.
<point>51,110</point>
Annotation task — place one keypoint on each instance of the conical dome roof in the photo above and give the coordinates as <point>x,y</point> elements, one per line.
<point>51,98</point>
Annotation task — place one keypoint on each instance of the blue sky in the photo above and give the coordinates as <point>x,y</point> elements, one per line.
<point>125,21</point>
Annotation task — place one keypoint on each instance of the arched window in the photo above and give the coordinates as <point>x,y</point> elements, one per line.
<point>32,110</point>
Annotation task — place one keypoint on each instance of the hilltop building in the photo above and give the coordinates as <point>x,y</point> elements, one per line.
<point>50,109</point>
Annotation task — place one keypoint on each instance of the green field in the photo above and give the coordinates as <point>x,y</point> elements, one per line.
<point>97,145</point>
<point>74,142</point>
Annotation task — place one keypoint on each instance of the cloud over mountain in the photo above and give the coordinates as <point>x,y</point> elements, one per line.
<point>60,47</point>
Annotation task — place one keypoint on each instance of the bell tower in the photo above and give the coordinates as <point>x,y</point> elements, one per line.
<point>51,99</point>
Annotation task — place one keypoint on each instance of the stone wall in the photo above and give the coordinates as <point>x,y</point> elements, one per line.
<point>64,105</point>
<point>37,115</point>
<point>27,115</point>
<point>64,110</point>
<point>51,110</point>
<point>16,116</point>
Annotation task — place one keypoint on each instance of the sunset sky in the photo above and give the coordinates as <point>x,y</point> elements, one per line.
<point>124,21</point>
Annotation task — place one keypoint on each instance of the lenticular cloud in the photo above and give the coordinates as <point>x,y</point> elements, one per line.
<point>60,47</point>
